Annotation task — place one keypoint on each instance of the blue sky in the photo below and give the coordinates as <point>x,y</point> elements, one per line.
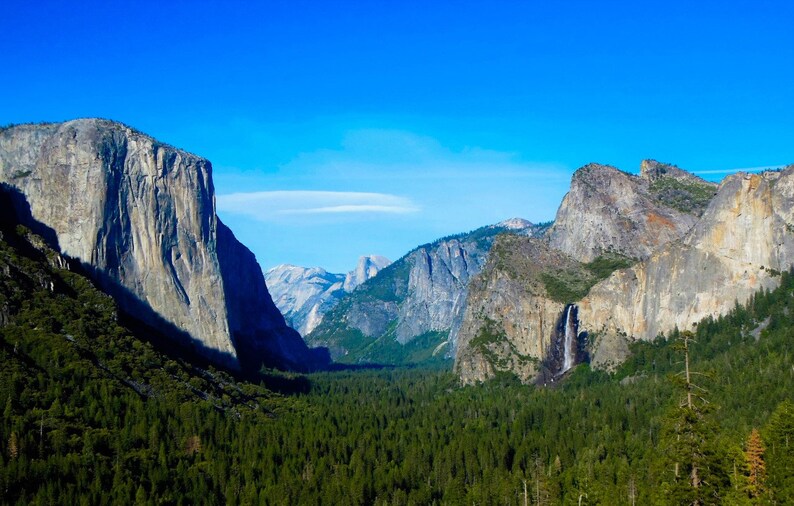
<point>345,128</point>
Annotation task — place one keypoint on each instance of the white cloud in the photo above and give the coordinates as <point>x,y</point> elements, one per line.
<point>270,205</point>
<point>746,169</point>
<point>381,174</point>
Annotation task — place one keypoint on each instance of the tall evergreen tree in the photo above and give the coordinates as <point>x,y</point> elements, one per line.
<point>779,436</point>
<point>756,467</point>
<point>694,471</point>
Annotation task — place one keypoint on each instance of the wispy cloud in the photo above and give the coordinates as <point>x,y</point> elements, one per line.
<point>415,183</point>
<point>271,205</point>
<point>746,169</point>
<point>378,155</point>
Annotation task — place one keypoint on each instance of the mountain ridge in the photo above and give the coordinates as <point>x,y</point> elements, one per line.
<point>411,311</point>
<point>741,244</point>
<point>305,294</point>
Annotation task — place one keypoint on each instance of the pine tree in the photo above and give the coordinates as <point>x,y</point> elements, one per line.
<point>779,437</point>
<point>694,474</point>
<point>756,467</point>
<point>13,446</point>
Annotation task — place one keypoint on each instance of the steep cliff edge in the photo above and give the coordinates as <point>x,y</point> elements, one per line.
<point>744,239</point>
<point>610,211</point>
<point>140,216</point>
<point>510,317</point>
<point>521,315</point>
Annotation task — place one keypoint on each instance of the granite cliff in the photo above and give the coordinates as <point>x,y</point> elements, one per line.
<point>305,294</point>
<point>521,310</point>
<point>411,311</point>
<point>610,211</point>
<point>140,217</point>
<point>743,241</point>
<point>368,267</point>
<point>510,316</point>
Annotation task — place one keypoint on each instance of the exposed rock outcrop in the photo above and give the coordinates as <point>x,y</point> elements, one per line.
<point>421,295</point>
<point>422,292</point>
<point>140,216</point>
<point>516,311</point>
<point>510,319</point>
<point>610,211</point>
<point>305,294</point>
<point>437,284</point>
<point>745,237</point>
<point>368,266</point>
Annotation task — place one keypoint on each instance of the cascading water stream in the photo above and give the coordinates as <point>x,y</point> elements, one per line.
<point>569,349</point>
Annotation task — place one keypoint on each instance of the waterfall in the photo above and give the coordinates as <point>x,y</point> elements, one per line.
<point>569,349</point>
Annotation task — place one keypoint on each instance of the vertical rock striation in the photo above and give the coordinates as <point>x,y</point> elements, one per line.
<point>510,319</point>
<point>745,237</point>
<point>368,266</point>
<point>519,310</point>
<point>140,216</point>
<point>412,310</point>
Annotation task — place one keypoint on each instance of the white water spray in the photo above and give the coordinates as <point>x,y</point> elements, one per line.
<point>569,350</point>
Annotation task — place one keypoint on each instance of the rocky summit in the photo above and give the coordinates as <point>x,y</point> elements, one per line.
<point>610,211</point>
<point>628,257</point>
<point>742,243</point>
<point>305,294</point>
<point>140,217</point>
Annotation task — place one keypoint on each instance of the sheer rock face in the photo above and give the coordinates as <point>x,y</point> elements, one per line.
<point>305,294</point>
<point>427,293</point>
<point>368,266</point>
<point>745,235</point>
<point>423,292</point>
<point>140,216</point>
<point>509,320</point>
<point>607,210</point>
<point>438,284</point>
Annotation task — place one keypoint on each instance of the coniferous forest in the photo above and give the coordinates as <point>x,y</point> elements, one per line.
<point>94,413</point>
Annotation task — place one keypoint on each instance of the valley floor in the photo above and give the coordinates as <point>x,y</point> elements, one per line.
<point>94,415</point>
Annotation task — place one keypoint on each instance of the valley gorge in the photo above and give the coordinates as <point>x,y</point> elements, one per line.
<point>411,311</point>
<point>475,253</point>
<point>628,257</point>
<point>515,304</point>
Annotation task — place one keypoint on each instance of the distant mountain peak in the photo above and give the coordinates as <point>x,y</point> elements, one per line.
<point>305,294</point>
<point>514,224</point>
<point>368,266</point>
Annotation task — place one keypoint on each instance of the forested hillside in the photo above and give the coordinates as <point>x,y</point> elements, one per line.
<point>92,414</point>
